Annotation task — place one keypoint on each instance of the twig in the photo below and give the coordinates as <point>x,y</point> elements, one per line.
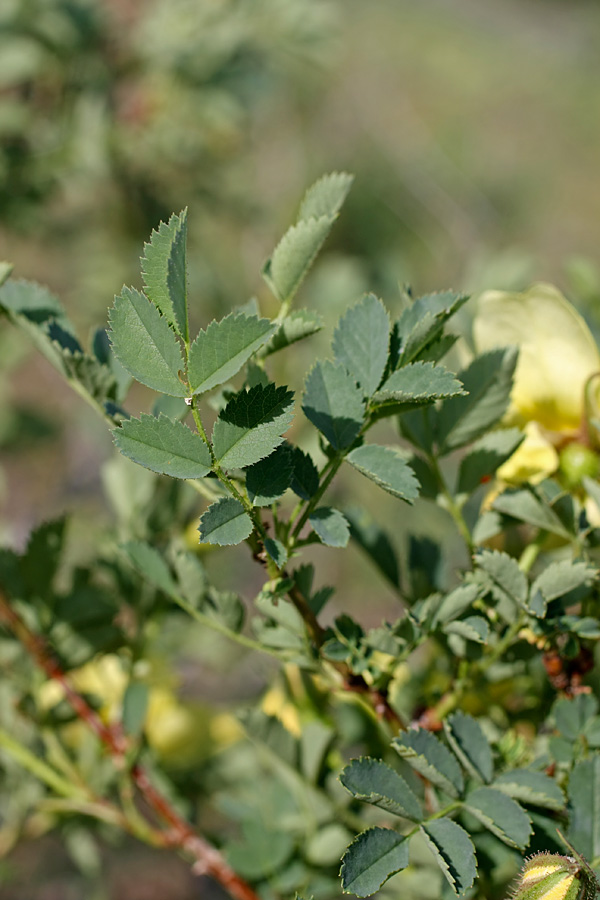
<point>206,859</point>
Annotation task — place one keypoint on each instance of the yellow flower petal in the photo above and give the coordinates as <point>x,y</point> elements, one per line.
<point>534,460</point>
<point>557,353</point>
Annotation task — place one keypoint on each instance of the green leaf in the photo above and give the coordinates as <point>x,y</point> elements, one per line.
<point>584,804</point>
<point>298,325</point>
<point>315,741</point>
<point>163,445</point>
<point>501,815</point>
<point>453,851</point>
<point>268,479</point>
<point>472,628</point>
<point>144,344</point>
<point>305,477</point>
<point>557,580</point>
<point>572,714</point>
<point>486,456</point>
<point>135,706</point>
<point>361,341</point>
<point>219,353</point>
<point>294,255</point>
<point>164,271</point>
<point>375,782</point>
<point>375,542</point>
<point>455,604</point>
<point>372,858</point>
<point>488,381</point>
<point>503,578</point>
<point>225,522</point>
<point>261,853</point>
<point>422,323</point>
<point>531,787</point>
<point>525,504</point>
<point>387,468</point>
<point>276,551</point>
<point>418,384</point>
<point>251,425</point>
<point>333,403</point>
<point>471,746</point>
<point>431,759</point>
<point>331,526</point>
<point>326,196</point>
<point>151,566</point>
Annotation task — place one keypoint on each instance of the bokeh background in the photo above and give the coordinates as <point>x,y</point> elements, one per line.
<point>473,130</point>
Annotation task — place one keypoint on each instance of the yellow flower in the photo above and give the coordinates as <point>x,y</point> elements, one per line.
<point>557,353</point>
<point>557,358</point>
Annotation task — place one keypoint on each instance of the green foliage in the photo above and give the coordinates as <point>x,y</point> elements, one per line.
<point>465,756</point>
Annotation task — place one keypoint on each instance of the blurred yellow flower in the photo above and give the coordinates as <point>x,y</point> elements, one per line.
<point>557,358</point>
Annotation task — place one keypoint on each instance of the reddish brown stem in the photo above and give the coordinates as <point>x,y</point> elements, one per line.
<point>206,859</point>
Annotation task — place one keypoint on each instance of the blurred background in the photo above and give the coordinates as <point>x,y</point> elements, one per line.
<point>473,130</point>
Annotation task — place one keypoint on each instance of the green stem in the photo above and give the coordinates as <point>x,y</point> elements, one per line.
<point>329,471</point>
<point>532,551</point>
<point>451,504</point>
<point>45,773</point>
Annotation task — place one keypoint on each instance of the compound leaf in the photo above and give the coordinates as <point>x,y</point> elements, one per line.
<point>163,445</point>
<point>144,344</point>
<point>225,522</point>
<point>387,468</point>
<point>372,858</point>
<point>375,782</point>
<point>453,851</point>
<point>219,353</point>
<point>333,403</point>
<point>164,271</point>
<point>251,425</point>
<point>361,341</point>
<point>488,383</point>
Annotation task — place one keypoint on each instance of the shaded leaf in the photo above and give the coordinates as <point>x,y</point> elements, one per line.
<point>488,382</point>
<point>268,479</point>
<point>219,353</point>
<point>163,445</point>
<point>374,541</point>
<point>225,522</point>
<point>151,566</point>
<point>375,782</point>
<point>471,746</point>
<point>361,340</point>
<point>331,526</point>
<point>387,468</point>
<point>486,456</point>
<point>144,344</point>
<point>305,477</point>
<point>251,425</point>
<point>372,858</point>
<point>276,551</point>
<point>333,403</point>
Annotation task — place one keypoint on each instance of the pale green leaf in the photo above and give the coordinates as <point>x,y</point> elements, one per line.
<point>526,505</point>
<point>527,786</point>
<point>261,852</point>
<point>164,271</point>
<point>471,746</point>
<point>333,403</point>
<point>557,580</point>
<point>373,857</point>
<point>486,456</point>
<point>219,353</point>
<point>488,382</point>
<point>331,526</point>
<point>501,815</point>
<point>416,385</point>
<point>387,468</point>
<point>163,445</point>
<point>453,851</point>
<point>144,344</point>
<point>268,479</point>
<point>251,425</point>
<point>294,255</point>
<point>471,628</point>
<point>225,522</point>
<point>326,196</point>
<point>455,604</point>
<point>571,714</point>
<point>422,323</point>
<point>361,341</point>
<point>503,577</point>
<point>375,782</point>
<point>425,753</point>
